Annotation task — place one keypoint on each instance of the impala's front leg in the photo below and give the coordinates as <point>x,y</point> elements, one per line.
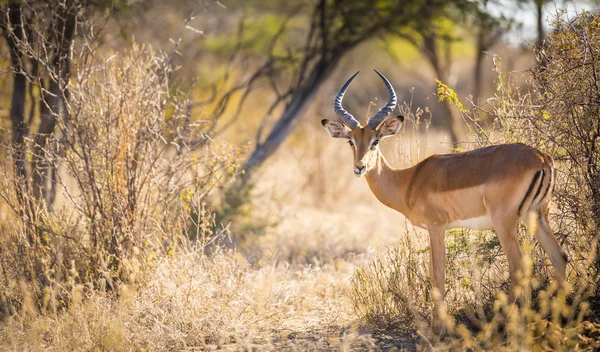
<point>437,244</point>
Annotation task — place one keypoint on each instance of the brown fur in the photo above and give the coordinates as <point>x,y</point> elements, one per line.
<point>494,181</point>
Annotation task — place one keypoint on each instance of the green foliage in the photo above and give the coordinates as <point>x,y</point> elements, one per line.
<point>394,290</point>
<point>253,39</point>
<point>446,93</point>
<point>400,49</point>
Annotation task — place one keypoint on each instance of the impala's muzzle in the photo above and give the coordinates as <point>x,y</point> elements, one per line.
<point>359,170</point>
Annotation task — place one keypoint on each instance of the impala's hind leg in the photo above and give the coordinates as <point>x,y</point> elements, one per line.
<point>506,230</point>
<point>546,238</point>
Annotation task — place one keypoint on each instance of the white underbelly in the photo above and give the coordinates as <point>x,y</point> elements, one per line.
<point>479,223</point>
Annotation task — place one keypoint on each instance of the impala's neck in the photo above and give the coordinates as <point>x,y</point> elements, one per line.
<point>388,184</point>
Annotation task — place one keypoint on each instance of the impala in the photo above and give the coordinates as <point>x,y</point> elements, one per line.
<point>492,187</point>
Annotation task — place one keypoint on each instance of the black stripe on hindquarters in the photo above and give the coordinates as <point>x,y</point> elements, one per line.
<point>529,190</point>
<point>540,187</point>
<point>549,184</point>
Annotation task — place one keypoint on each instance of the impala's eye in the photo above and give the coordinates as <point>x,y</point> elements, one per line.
<point>351,143</point>
<point>375,142</point>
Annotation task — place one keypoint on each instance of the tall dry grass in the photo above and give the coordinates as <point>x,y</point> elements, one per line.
<point>134,170</point>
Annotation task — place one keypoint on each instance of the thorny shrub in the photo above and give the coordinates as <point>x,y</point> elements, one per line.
<point>133,168</point>
<point>559,115</point>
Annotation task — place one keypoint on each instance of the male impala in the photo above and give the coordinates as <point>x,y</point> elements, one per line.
<point>492,187</point>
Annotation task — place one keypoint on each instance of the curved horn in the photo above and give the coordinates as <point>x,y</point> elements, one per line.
<point>337,105</point>
<point>385,111</point>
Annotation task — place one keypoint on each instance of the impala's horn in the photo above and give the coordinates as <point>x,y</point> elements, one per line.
<point>385,111</point>
<point>348,119</point>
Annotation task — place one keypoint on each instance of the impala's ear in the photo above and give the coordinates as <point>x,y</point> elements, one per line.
<point>390,126</point>
<point>336,129</point>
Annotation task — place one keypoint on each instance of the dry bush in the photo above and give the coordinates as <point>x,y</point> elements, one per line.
<point>133,170</point>
<point>543,319</point>
<point>394,290</point>
<point>393,293</point>
<point>165,295</point>
<point>557,112</point>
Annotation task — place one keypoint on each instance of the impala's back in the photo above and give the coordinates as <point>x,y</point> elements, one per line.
<point>510,178</point>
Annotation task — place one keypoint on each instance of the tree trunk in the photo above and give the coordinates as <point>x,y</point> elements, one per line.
<point>237,194</point>
<point>452,119</point>
<point>478,71</point>
<point>13,33</point>
<point>540,32</point>
<point>293,111</point>
<point>41,168</point>
<point>540,23</point>
<point>44,173</point>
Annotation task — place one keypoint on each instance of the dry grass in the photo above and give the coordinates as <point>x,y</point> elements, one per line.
<point>297,284</point>
<point>294,294</point>
<point>319,263</point>
<point>288,287</point>
<point>293,286</point>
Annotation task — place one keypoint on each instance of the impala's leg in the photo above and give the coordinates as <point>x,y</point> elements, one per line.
<point>437,243</point>
<point>546,238</point>
<point>506,229</point>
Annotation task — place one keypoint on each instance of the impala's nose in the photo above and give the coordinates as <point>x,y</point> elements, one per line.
<point>359,171</point>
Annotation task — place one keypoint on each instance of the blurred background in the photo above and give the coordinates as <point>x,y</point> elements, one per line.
<point>166,183</point>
